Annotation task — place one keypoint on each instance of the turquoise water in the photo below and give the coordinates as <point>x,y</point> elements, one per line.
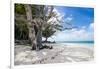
<point>77,43</point>
<point>74,41</point>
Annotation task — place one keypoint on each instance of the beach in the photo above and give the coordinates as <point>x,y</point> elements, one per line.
<point>23,55</point>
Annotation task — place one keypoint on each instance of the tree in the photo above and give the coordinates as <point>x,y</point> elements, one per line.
<point>32,35</point>
<point>21,28</point>
<point>40,20</point>
<point>48,32</point>
<point>52,25</point>
<point>37,18</point>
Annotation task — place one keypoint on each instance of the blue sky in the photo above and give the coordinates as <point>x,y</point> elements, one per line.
<point>80,17</point>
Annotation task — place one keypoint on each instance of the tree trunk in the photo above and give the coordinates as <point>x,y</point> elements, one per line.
<point>46,39</point>
<point>39,38</point>
<point>32,36</point>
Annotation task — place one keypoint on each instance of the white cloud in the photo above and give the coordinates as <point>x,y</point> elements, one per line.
<point>74,34</point>
<point>91,27</point>
<point>69,18</point>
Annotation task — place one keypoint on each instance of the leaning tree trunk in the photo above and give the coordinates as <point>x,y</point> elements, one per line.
<point>32,37</point>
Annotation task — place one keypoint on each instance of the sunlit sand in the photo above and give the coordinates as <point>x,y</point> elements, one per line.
<point>59,54</point>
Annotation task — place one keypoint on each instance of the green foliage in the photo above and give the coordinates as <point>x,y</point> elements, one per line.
<point>21,27</point>
<point>19,9</point>
<point>48,32</point>
<point>21,30</point>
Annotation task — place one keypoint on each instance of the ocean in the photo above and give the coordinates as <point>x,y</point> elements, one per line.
<point>76,43</point>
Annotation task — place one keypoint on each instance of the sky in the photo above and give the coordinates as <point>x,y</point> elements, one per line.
<point>82,21</point>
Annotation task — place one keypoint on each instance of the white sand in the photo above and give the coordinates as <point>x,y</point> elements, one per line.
<point>59,54</point>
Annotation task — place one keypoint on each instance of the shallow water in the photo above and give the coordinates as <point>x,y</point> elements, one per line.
<point>78,44</point>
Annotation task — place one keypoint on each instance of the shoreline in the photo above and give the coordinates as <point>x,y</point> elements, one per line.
<point>59,54</point>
